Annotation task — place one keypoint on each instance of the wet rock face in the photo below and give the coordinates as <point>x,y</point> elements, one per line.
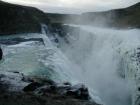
<point>12,81</point>
<point>63,32</point>
<point>79,91</point>
<point>76,92</point>
<point>132,73</point>
<point>13,41</point>
<point>1,54</point>
<point>31,87</point>
<point>15,89</point>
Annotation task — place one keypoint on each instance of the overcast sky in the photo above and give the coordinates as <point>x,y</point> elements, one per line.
<point>75,6</point>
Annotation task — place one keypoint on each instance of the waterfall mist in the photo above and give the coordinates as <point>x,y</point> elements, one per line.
<point>99,52</point>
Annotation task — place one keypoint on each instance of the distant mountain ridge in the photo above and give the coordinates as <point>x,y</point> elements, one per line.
<point>16,19</point>
<point>125,17</point>
<point>20,19</point>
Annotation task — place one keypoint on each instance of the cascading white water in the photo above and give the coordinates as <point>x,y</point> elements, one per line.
<point>98,57</point>
<point>37,58</point>
<point>101,54</point>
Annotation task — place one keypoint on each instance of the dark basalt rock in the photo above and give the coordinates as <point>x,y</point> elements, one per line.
<point>31,87</point>
<point>1,54</point>
<point>42,86</point>
<point>79,92</point>
<point>16,88</point>
<point>63,30</point>
<point>67,83</point>
<point>13,41</point>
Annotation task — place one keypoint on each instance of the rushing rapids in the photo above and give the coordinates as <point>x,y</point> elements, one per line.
<point>106,60</point>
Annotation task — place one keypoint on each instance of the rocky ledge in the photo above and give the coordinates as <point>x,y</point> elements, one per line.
<point>18,89</point>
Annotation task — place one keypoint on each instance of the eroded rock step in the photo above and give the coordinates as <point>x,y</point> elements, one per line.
<point>18,89</point>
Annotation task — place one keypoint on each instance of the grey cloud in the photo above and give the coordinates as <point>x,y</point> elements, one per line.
<point>76,5</point>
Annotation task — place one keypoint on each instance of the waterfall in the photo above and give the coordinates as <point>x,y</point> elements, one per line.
<point>105,60</point>
<point>57,60</point>
<point>104,56</point>
<point>33,58</point>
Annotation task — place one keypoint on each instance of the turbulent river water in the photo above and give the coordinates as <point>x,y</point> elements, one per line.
<point>97,57</point>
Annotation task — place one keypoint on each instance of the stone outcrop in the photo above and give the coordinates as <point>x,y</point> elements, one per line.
<point>16,88</point>
<point>1,54</point>
<point>13,41</point>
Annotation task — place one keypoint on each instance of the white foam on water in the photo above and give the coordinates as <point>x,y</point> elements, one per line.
<point>101,52</point>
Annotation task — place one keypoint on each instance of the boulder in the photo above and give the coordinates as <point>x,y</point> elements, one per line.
<point>1,54</point>
<point>12,81</point>
<point>16,88</point>
<point>79,91</point>
<point>16,81</point>
<point>32,86</point>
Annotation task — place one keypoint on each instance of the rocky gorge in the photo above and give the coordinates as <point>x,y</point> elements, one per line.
<point>38,49</point>
<point>17,88</point>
